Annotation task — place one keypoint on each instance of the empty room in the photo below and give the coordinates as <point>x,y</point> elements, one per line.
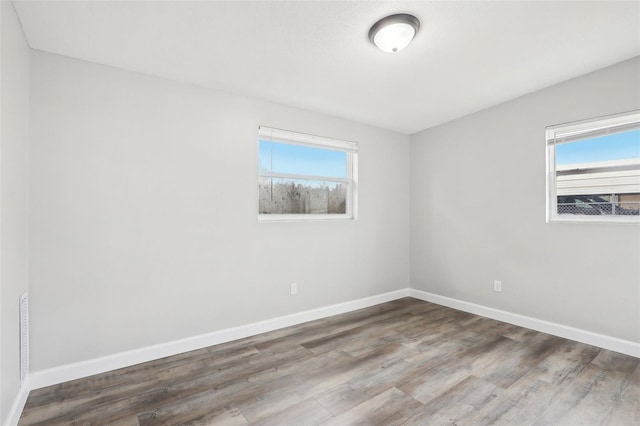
<point>319,212</point>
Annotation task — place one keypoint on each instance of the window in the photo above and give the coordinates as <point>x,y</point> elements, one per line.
<point>593,170</point>
<point>302,177</point>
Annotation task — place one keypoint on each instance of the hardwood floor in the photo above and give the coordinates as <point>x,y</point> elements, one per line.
<point>403,362</point>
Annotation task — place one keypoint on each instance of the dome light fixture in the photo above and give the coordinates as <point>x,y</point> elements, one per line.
<point>395,32</point>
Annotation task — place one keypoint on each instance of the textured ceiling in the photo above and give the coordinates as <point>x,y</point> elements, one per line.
<point>315,55</point>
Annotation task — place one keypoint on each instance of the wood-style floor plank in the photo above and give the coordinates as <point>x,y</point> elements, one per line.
<point>391,407</point>
<point>403,362</point>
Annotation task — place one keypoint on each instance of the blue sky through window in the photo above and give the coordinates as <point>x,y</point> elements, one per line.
<point>617,146</point>
<point>302,160</point>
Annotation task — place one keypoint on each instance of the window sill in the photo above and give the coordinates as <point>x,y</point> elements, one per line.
<point>628,220</point>
<point>266,218</point>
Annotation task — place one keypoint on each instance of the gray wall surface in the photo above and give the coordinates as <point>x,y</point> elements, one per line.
<point>142,198</point>
<point>478,213</point>
<point>14,174</point>
<point>144,214</point>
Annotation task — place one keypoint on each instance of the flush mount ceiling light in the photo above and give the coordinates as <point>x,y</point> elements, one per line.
<point>395,32</point>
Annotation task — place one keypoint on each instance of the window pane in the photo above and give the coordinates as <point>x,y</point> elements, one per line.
<point>302,160</point>
<point>599,204</point>
<point>618,146</point>
<point>301,196</point>
<point>599,176</point>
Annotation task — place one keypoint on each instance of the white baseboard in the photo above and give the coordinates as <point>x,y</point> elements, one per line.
<point>87,368</point>
<point>52,376</point>
<point>18,404</point>
<point>606,342</point>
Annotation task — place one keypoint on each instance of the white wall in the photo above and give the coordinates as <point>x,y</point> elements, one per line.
<point>14,135</point>
<point>144,214</point>
<point>478,213</point>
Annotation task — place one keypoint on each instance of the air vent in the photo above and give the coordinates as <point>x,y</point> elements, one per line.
<point>24,336</point>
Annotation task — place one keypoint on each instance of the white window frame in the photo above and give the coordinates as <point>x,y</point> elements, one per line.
<point>295,138</point>
<point>575,131</point>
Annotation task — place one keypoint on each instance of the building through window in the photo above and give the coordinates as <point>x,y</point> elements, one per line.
<point>593,169</point>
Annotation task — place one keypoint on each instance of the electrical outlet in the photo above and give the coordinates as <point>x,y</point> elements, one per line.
<point>497,286</point>
<point>294,288</point>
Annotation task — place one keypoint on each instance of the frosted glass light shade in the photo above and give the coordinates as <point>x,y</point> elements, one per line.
<point>394,33</point>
